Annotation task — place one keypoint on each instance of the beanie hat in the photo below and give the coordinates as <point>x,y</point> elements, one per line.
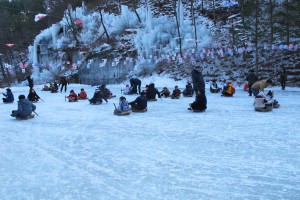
<point>22,96</point>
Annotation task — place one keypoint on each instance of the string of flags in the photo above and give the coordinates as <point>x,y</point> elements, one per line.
<point>39,16</point>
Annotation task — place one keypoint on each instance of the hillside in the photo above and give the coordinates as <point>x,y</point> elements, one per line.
<point>111,41</point>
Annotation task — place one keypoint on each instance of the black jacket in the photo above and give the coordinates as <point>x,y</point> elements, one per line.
<point>140,101</point>
<point>251,78</point>
<point>152,91</point>
<point>200,103</point>
<point>198,81</point>
<point>32,96</point>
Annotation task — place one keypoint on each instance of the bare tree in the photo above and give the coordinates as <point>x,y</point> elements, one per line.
<point>176,13</point>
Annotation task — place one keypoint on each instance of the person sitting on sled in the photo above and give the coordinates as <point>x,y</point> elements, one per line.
<point>126,90</point>
<point>46,88</point>
<point>228,90</point>
<point>54,88</point>
<point>9,97</point>
<point>200,103</point>
<point>123,105</point>
<point>176,93</point>
<point>271,100</point>
<point>214,88</point>
<point>72,96</point>
<point>32,96</point>
<point>25,108</point>
<point>106,92</point>
<point>260,101</point>
<point>98,97</point>
<point>188,91</point>
<point>165,92</point>
<point>82,94</point>
<point>140,103</point>
<point>152,92</point>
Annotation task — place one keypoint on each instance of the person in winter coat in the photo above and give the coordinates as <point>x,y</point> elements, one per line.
<point>260,86</point>
<point>198,81</point>
<point>188,91</point>
<point>32,96</point>
<point>251,78</point>
<point>165,92</point>
<point>152,92</point>
<point>25,108</point>
<point>82,94</point>
<point>63,82</point>
<point>54,88</point>
<point>126,90</point>
<point>140,103</point>
<point>135,84</point>
<point>228,90</point>
<point>9,97</point>
<point>283,78</point>
<point>200,103</point>
<point>98,97</point>
<point>123,105</point>
<point>105,91</point>
<point>176,93</point>
<point>214,88</point>
<point>72,96</point>
<point>30,82</point>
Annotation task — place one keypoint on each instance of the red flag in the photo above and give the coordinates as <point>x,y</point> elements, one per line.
<point>10,45</point>
<point>78,21</point>
<point>39,17</point>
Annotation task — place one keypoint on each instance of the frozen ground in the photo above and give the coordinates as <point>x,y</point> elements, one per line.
<point>81,151</point>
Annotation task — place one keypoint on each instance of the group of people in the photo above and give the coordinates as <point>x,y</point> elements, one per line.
<point>197,87</point>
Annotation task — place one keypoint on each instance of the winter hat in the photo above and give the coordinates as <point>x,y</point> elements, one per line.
<point>8,90</point>
<point>72,91</point>
<point>22,96</point>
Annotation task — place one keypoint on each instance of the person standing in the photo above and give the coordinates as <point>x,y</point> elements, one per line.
<point>251,78</point>
<point>199,85</point>
<point>260,86</point>
<point>63,83</point>
<point>135,84</point>
<point>198,81</point>
<point>30,82</point>
<point>283,78</point>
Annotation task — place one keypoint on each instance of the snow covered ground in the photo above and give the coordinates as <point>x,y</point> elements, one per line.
<point>82,151</point>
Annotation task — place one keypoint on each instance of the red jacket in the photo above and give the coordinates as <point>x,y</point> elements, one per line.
<point>82,95</point>
<point>72,96</point>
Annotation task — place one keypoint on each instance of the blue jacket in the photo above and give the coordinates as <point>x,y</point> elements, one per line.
<point>123,106</point>
<point>141,102</point>
<point>25,108</point>
<point>198,81</point>
<point>9,96</point>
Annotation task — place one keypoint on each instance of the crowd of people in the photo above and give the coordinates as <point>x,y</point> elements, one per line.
<point>255,87</point>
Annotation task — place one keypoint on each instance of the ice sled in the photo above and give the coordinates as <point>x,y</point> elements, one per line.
<point>188,95</point>
<point>96,103</point>
<point>25,118</point>
<point>152,100</point>
<point>175,97</point>
<point>122,113</point>
<point>135,110</point>
<point>196,110</point>
<point>111,96</point>
<point>8,102</point>
<point>267,109</point>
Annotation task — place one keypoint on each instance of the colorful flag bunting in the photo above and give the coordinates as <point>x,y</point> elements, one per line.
<point>39,17</point>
